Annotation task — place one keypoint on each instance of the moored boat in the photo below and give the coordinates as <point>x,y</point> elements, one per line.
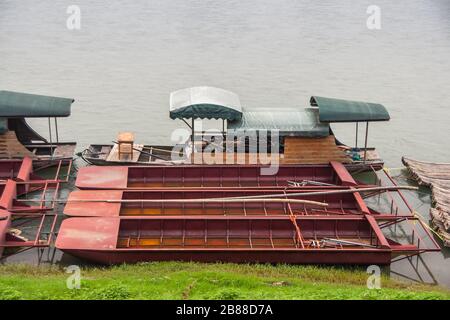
<point>250,135</point>
<point>301,240</point>
<point>18,140</point>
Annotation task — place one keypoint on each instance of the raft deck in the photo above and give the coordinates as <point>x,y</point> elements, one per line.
<point>227,239</point>
<point>212,176</point>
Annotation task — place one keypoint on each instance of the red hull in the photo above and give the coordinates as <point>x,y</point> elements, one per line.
<point>379,257</point>
<point>226,239</point>
<point>143,214</point>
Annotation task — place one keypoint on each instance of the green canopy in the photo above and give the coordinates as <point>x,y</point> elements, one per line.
<point>288,122</point>
<point>24,105</point>
<point>337,110</point>
<point>204,102</point>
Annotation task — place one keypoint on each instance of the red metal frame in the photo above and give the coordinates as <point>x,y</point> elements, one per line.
<point>174,223</point>
<point>26,181</point>
<point>233,239</point>
<point>210,176</point>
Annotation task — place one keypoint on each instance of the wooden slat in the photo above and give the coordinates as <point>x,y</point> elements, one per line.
<point>10,147</point>
<point>297,150</point>
<point>313,150</point>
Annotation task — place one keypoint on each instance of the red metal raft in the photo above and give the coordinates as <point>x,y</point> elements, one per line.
<point>17,178</point>
<point>303,214</point>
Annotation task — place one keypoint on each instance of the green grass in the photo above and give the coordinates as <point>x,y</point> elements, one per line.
<point>175,280</point>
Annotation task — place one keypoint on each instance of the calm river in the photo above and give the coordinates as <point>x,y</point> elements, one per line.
<point>127,56</point>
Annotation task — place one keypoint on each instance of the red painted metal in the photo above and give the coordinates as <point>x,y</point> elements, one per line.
<point>12,241</point>
<point>94,177</point>
<point>127,228</point>
<point>229,239</point>
<point>8,200</point>
<point>345,177</point>
<point>18,178</point>
<point>5,222</point>
<point>79,203</point>
<point>23,174</point>
<point>8,195</point>
<point>211,176</point>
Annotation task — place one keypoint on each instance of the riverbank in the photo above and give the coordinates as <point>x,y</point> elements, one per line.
<point>175,280</point>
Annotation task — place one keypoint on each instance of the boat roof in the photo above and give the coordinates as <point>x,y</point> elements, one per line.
<point>25,105</point>
<point>302,122</point>
<point>205,102</point>
<point>338,110</point>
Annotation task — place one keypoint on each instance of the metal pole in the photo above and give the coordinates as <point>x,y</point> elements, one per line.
<point>223,130</point>
<point>365,143</point>
<point>187,123</point>
<point>193,132</point>
<point>50,135</point>
<point>357,129</point>
<point>56,130</point>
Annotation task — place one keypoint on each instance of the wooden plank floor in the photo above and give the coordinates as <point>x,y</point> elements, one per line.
<point>313,150</point>
<point>10,147</point>
<point>297,150</point>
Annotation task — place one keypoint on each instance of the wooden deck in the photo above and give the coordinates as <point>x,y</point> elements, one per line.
<point>11,148</point>
<point>297,150</point>
<point>313,150</point>
<point>437,177</point>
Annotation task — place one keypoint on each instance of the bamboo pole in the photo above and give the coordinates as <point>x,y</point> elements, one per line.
<point>210,200</point>
<point>263,198</point>
<point>320,193</point>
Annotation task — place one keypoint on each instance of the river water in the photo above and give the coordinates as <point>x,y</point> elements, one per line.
<point>126,58</point>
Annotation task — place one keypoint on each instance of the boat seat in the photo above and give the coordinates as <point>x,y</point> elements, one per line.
<point>125,141</point>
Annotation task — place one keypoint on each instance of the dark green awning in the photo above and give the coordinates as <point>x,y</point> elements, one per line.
<point>204,102</point>
<point>287,121</point>
<point>24,105</point>
<point>337,110</point>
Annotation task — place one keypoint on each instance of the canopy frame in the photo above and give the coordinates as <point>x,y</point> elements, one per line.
<point>204,103</point>
<point>338,110</point>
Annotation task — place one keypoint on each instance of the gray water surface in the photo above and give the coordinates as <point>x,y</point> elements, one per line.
<point>129,55</point>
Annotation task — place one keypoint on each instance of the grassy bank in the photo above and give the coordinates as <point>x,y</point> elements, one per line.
<point>174,280</point>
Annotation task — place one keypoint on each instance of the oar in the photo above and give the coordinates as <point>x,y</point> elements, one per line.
<point>162,150</point>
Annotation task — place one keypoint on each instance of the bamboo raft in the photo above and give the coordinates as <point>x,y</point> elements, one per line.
<point>437,177</point>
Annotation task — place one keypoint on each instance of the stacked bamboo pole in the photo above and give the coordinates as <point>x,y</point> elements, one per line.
<point>437,177</point>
